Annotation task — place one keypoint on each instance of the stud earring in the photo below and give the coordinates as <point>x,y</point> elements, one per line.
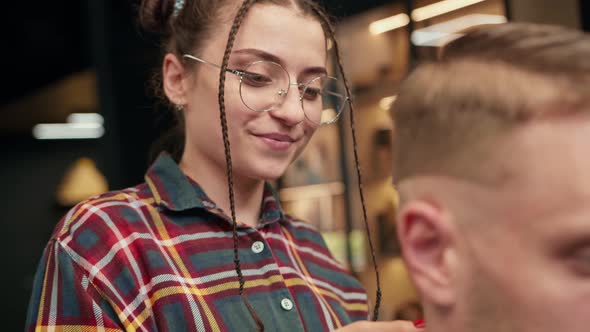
<point>179,107</point>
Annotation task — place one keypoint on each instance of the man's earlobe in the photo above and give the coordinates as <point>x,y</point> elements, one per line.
<point>425,236</point>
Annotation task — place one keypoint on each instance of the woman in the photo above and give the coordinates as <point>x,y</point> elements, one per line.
<point>165,255</point>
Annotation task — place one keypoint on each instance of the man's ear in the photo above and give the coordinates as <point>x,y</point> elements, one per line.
<point>174,79</point>
<point>426,237</point>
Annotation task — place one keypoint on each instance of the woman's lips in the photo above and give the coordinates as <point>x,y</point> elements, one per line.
<point>277,141</point>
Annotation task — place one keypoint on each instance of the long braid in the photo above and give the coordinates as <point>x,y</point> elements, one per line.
<point>224,128</point>
<point>242,11</point>
<point>328,25</point>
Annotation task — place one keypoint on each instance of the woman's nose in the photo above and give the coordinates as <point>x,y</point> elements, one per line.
<point>289,109</point>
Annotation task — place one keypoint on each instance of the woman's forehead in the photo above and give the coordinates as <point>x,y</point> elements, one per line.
<point>284,32</point>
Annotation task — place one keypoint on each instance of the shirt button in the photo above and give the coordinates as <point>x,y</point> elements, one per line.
<point>257,247</point>
<point>286,304</point>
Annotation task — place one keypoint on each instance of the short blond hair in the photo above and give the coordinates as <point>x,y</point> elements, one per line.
<point>450,113</point>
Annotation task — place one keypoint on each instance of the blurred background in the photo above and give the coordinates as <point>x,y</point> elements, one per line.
<point>77,119</point>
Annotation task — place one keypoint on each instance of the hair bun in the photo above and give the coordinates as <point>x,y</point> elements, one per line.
<point>155,14</point>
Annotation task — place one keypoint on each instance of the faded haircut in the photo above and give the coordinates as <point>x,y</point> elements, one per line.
<point>450,114</point>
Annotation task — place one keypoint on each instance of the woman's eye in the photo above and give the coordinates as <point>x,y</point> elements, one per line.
<point>256,80</point>
<point>311,93</point>
<point>584,257</point>
<point>581,261</point>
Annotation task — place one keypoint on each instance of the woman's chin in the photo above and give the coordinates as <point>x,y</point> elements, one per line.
<point>269,172</point>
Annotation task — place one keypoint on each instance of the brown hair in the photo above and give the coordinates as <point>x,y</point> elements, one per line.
<point>450,113</point>
<point>187,30</point>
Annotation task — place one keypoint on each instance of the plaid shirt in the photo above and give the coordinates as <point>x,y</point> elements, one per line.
<point>159,257</point>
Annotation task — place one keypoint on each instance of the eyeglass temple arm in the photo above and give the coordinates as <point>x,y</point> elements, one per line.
<point>233,71</point>
<point>346,98</point>
<point>337,95</point>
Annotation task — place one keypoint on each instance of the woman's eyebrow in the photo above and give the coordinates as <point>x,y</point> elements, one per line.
<point>271,57</point>
<point>319,71</point>
<point>260,54</point>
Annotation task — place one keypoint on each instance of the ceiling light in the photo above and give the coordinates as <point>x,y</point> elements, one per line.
<point>68,131</point>
<point>439,8</point>
<point>78,126</point>
<point>388,24</point>
<point>419,14</point>
<point>85,118</point>
<point>439,34</point>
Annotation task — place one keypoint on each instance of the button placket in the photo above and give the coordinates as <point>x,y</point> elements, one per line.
<point>257,247</point>
<point>286,304</point>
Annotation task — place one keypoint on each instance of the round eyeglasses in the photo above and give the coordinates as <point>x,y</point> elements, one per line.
<point>264,85</point>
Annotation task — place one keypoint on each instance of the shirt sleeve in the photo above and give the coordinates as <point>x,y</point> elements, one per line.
<point>63,299</point>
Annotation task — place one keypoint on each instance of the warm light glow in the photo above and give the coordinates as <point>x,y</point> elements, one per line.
<point>327,115</point>
<point>439,8</point>
<point>439,34</point>
<point>386,102</point>
<point>311,191</point>
<point>68,131</point>
<point>388,24</point>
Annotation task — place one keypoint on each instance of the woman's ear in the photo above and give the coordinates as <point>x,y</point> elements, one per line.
<point>426,238</point>
<point>174,79</point>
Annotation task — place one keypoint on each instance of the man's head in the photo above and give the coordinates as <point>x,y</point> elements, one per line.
<point>493,170</point>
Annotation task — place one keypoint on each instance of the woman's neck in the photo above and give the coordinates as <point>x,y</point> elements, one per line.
<point>213,180</point>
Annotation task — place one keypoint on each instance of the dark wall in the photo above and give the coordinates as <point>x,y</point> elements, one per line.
<point>585,12</point>
<point>124,60</point>
<point>29,173</point>
<point>35,37</point>
<point>30,170</point>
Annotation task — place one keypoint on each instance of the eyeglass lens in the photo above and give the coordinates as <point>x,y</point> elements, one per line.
<point>264,87</point>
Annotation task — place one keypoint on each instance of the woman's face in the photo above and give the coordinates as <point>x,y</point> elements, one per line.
<point>262,144</point>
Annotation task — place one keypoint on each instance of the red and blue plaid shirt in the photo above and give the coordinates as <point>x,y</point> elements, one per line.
<point>159,257</point>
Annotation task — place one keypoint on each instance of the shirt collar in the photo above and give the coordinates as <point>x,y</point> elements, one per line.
<point>172,189</point>
<point>271,210</point>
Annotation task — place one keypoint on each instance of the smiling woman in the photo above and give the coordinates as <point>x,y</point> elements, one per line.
<point>203,244</point>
